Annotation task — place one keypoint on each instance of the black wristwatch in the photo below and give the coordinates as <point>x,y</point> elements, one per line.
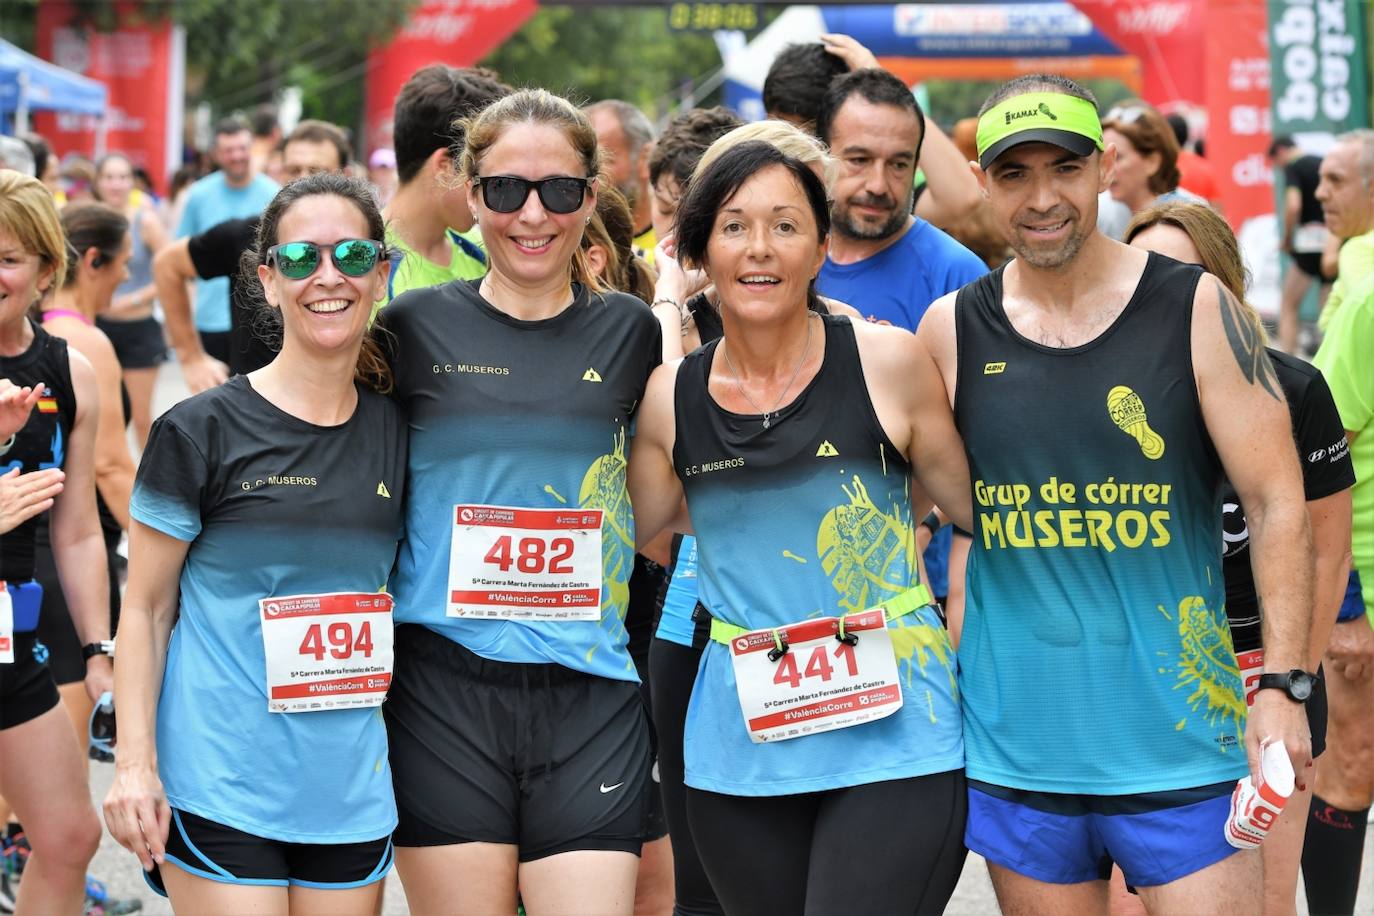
<point>1297,683</point>
<point>91,649</point>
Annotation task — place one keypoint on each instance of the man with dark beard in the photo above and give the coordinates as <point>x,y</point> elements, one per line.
<point>886,262</point>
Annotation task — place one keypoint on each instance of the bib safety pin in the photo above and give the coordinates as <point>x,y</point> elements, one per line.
<point>849,639</point>
<point>779,647</point>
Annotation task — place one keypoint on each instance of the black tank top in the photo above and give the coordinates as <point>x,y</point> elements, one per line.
<point>812,512</point>
<point>707,317</point>
<point>1096,562</point>
<point>42,443</point>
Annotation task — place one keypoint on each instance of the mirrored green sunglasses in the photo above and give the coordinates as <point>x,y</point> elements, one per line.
<point>298,260</point>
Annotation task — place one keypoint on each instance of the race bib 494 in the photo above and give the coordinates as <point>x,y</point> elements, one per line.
<point>331,651</point>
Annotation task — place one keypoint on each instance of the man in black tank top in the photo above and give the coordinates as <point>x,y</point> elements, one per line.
<point>1101,395</point>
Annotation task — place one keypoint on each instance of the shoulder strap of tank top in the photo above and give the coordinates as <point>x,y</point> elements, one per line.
<point>67,313</point>
<point>976,309</point>
<point>691,393</point>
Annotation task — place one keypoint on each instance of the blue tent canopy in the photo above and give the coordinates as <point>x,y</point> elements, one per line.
<point>33,84</point>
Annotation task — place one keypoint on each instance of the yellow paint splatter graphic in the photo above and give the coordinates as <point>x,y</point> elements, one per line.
<point>870,557</point>
<point>1127,411</point>
<point>867,553</point>
<point>548,488</point>
<point>792,556</point>
<point>1207,667</point>
<point>603,487</point>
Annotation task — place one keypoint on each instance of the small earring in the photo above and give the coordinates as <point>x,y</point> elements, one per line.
<point>589,221</point>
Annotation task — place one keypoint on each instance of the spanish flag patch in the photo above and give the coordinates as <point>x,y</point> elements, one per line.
<point>47,403</point>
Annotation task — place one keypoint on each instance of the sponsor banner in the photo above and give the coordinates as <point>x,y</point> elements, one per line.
<point>1318,57</point>
<point>961,30</point>
<point>454,32</point>
<point>1237,87</point>
<point>1166,35</point>
<point>142,62</point>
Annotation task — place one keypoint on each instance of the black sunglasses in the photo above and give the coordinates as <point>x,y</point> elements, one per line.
<point>507,193</point>
<point>298,260</point>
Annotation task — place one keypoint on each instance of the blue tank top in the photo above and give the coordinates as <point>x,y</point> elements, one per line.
<point>1095,656</point>
<point>141,260</point>
<point>810,517</point>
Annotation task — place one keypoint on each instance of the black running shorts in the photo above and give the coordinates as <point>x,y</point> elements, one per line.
<point>211,850</point>
<point>27,689</point>
<point>536,755</point>
<point>138,344</point>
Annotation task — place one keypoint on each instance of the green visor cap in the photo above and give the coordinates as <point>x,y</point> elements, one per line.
<point>1039,117</point>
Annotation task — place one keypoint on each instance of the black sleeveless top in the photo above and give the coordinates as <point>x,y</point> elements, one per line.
<point>823,450</point>
<point>708,321</point>
<point>42,443</point>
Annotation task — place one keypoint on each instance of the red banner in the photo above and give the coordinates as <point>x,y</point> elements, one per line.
<point>1166,35</point>
<point>1238,131</point>
<point>142,63</point>
<point>454,32</point>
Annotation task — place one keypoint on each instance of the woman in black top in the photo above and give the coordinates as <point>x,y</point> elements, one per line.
<point>1196,234</point>
<point>41,774</point>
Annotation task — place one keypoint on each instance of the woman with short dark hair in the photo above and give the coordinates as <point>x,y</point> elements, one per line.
<point>826,698</point>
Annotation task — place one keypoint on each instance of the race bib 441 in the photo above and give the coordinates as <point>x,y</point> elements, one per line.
<point>331,651</point>
<point>803,678</point>
<point>509,563</point>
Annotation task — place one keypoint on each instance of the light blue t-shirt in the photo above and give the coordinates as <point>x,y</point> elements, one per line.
<point>897,285</point>
<point>210,202</point>
<point>270,506</point>
<point>675,623</point>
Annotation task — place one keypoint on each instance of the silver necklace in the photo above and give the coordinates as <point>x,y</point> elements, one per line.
<point>768,414</point>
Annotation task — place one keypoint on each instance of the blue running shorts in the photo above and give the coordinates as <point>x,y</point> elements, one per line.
<point>1156,837</point>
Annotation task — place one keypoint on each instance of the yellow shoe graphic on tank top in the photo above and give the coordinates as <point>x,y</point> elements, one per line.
<point>1127,411</point>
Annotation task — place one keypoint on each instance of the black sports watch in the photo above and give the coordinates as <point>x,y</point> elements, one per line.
<point>1297,683</point>
<point>91,649</point>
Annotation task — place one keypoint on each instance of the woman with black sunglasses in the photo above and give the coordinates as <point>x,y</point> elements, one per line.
<point>256,642</point>
<point>519,742</point>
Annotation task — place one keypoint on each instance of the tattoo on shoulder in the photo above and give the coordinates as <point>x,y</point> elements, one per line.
<point>1246,344</point>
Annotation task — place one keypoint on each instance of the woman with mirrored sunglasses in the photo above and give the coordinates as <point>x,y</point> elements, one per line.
<point>256,640</point>
<point>519,741</point>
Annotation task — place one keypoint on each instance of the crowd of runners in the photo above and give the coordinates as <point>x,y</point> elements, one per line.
<point>721,518</point>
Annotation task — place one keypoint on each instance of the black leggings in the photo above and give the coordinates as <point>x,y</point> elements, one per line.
<point>902,841</point>
<point>673,670</point>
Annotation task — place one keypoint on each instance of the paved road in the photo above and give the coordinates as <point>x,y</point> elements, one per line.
<point>120,870</point>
